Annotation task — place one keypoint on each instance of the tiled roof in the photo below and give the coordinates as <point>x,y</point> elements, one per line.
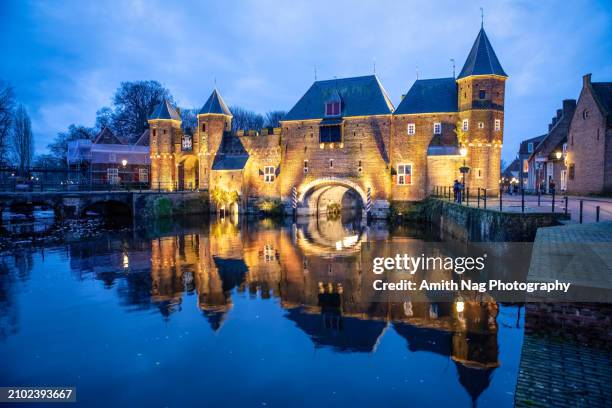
<point>215,104</point>
<point>430,95</point>
<point>165,110</point>
<point>603,93</point>
<point>360,96</point>
<point>482,59</point>
<point>106,136</point>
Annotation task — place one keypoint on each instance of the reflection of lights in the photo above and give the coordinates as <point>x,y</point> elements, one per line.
<point>463,151</point>
<point>460,306</point>
<point>126,261</point>
<point>408,308</point>
<point>347,242</point>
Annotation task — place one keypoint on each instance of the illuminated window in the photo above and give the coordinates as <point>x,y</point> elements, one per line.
<point>112,174</point>
<point>466,125</point>
<point>143,175</point>
<point>497,125</point>
<point>437,128</point>
<point>411,128</point>
<point>269,174</point>
<point>404,174</point>
<point>332,108</point>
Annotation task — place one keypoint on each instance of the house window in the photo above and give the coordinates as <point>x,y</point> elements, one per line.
<point>411,128</point>
<point>269,174</point>
<point>332,109</point>
<point>497,125</point>
<point>530,147</point>
<point>482,94</point>
<point>112,175</point>
<point>437,128</point>
<point>203,127</point>
<point>478,173</point>
<point>404,174</point>
<point>571,171</point>
<point>466,125</point>
<point>585,114</point>
<point>480,125</point>
<point>143,175</point>
<point>305,166</point>
<point>112,157</point>
<point>330,134</point>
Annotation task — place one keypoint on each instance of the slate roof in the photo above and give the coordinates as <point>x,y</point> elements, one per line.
<point>360,96</point>
<point>143,140</point>
<point>231,155</point>
<point>482,59</point>
<point>535,140</point>
<point>229,162</point>
<point>165,110</point>
<point>603,94</point>
<point>215,104</point>
<point>430,95</point>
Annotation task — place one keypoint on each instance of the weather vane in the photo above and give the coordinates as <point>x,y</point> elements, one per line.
<point>453,61</point>
<point>481,17</point>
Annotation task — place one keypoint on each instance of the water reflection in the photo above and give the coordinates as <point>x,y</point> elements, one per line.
<point>319,270</point>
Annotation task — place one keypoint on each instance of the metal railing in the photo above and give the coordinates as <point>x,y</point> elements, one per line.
<point>38,186</point>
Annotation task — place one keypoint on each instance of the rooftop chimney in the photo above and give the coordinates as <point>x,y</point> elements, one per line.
<point>586,79</point>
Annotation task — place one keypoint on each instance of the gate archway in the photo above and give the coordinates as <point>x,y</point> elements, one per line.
<point>318,196</point>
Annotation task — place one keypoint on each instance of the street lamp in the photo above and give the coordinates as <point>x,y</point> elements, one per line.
<point>124,162</point>
<point>463,151</point>
<point>558,154</point>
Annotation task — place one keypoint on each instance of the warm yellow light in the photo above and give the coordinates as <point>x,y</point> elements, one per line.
<point>463,151</point>
<point>124,162</point>
<point>558,154</point>
<point>459,306</point>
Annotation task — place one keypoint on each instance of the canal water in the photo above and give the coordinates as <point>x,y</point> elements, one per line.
<point>244,313</point>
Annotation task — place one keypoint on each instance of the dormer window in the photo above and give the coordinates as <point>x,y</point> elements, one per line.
<point>332,108</point>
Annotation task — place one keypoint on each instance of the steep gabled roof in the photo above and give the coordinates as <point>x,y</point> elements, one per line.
<point>143,140</point>
<point>215,104</point>
<point>603,95</point>
<point>165,110</point>
<point>106,136</point>
<point>524,144</point>
<point>430,96</point>
<point>482,59</point>
<point>361,96</point>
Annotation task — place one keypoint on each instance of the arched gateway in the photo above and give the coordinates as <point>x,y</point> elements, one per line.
<point>317,196</point>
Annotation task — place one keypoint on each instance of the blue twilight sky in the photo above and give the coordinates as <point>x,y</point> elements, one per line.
<point>66,58</point>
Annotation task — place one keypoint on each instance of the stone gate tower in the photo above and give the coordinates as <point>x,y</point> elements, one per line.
<point>214,119</point>
<point>165,127</point>
<point>480,93</point>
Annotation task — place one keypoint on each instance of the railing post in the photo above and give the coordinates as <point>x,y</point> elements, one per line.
<point>467,196</point>
<point>485,198</point>
<point>566,204</point>
<point>523,199</point>
<point>478,197</point>
<point>581,207</point>
<point>501,194</point>
<point>553,201</point>
<point>597,214</point>
<point>539,197</point>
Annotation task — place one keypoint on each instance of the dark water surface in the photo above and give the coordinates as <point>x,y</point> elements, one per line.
<point>250,313</point>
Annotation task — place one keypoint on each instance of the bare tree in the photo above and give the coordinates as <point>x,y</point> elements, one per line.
<point>133,103</point>
<point>273,118</point>
<point>189,118</point>
<point>104,118</point>
<point>244,119</point>
<point>7,104</point>
<point>22,143</point>
<point>59,147</point>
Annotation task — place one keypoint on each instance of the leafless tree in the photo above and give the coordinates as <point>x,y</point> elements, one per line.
<point>244,119</point>
<point>7,104</point>
<point>22,142</point>
<point>273,118</point>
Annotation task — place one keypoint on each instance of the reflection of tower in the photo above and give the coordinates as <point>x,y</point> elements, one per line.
<point>481,89</point>
<point>166,278</point>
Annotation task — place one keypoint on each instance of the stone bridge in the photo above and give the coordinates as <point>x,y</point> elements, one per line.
<point>137,204</point>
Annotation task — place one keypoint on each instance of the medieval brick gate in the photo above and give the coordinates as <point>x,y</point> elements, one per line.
<point>317,196</point>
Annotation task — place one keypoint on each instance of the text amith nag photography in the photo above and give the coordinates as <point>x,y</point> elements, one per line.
<point>315,204</point>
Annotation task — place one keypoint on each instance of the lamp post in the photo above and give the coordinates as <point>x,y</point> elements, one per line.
<point>124,163</point>
<point>463,169</point>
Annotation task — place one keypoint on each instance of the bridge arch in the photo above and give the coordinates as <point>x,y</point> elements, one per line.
<point>315,197</point>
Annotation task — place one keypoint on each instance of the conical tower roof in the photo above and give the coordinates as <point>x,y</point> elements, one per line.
<point>165,110</point>
<point>215,104</point>
<point>482,59</point>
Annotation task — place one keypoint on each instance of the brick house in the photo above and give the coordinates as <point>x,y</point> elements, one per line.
<point>526,148</point>
<point>344,142</point>
<point>589,148</point>
<point>547,161</point>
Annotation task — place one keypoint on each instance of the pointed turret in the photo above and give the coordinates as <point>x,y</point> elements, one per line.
<point>482,59</point>
<point>215,105</point>
<point>165,110</point>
